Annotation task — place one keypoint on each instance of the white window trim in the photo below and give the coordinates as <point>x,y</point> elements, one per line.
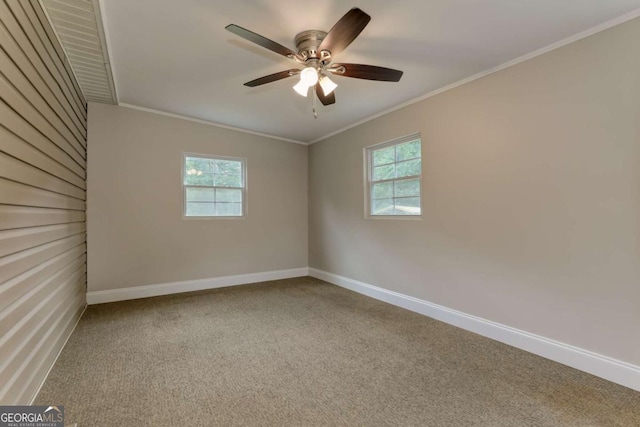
<point>368,182</point>
<point>184,186</point>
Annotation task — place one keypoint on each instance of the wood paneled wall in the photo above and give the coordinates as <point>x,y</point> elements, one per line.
<point>43,132</point>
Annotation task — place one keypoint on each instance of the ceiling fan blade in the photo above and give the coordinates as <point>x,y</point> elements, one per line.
<point>368,72</point>
<point>262,41</point>
<point>325,99</point>
<point>345,31</point>
<point>273,77</point>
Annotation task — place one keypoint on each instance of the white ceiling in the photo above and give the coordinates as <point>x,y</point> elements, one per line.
<point>177,57</point>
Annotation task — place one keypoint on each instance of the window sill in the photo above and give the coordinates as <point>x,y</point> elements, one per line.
<point>400,217</point>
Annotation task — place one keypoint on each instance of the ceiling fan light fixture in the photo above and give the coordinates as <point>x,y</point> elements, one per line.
<point>315,51</point>
<point>327,85</point>
<point>302,88</point>
<point>309,76</point>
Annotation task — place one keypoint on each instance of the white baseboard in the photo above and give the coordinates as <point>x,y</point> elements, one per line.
<point>605,367</point>
<point>122,294</point>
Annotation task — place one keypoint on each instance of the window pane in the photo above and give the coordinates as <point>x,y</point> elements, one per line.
<point>407,206</point>
<point>407,188</point>
<point>213,186</point>
<point>408,150</point>
<point>384,172</point>
<point>383,190</point>
<point>386,155</point>
<point>198,171</point>
<point>408,168</point>
<point>382,207</point>
<point>395,177</point>
<point>228,195</point>
<point>228,167</point>
<point>205,179</point>
<point>200,195</point>
<point>229,209</point>
<point>199,164</point>
<point>200,209</point>
<point>228,180</point>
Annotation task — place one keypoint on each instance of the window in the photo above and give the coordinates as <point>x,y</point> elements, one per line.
<point>394,171</point>
<point>213,186</point>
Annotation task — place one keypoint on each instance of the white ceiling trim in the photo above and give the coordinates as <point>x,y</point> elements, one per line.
<point>206,122</point>
<point>589,32</point>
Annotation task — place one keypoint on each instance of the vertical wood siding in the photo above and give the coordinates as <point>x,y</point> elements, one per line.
<point>43,140</point>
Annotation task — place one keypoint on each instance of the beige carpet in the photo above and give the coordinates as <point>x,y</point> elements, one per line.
<point>302,352</point>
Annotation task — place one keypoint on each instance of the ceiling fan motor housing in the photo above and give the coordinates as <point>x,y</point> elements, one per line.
<point>307,43</point>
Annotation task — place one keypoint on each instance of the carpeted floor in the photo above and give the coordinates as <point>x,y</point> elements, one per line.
<point>302,352</point>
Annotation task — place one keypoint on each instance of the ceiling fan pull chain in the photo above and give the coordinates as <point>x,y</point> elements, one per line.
<point>315,113</point>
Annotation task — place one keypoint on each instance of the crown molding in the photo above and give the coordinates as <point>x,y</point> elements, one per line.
<point>206,122</point>
<point>579,36</point>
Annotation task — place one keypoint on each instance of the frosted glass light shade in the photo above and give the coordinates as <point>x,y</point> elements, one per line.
<point>327,85</point>
<point>309,76</point>
<point>302,88</point>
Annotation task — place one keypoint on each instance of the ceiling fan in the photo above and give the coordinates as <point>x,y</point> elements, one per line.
<point>316,50</point>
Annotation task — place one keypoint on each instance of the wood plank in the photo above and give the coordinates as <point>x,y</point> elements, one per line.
<point>97,85</point>
<point>43,251</point>
<point>91,54</point>
<point>18,83</point>
<point>12,217</point>
<point>20,308</point>
<point>89,87</point>
<point>69,34</point>
<point>21,351</point>
<point>85,41</point>
<point>102,100</point>
<point>81,59</point>
<point>90,70</point>
<point>15,146</point>
<point>44,22</point>
<point>22,86</point>
<point>14,288</point>
<point>22,128</point>
<point>50,44</point>
<point>78,47</point>
<point>87,20</point>
<point>61,23</point>
<point>55,343</point>
<point>40,21</point>
<point>91,78</point>
<point>15,100</point>
<point>19,9</point>
<point>16,170</point>
<point>47,88</point>
<point>75,10</point>
<point>95,89</point>
<point>14,193</point>
<point>23,32</point>
<point>12,241</point>
<point>18,263</point>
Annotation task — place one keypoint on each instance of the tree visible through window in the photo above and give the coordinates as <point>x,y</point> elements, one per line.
<point>394,171</point>
<point>213,186</point>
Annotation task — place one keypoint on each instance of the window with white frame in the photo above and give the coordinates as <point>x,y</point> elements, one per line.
<point>394,171</point>
<point>213,186</point>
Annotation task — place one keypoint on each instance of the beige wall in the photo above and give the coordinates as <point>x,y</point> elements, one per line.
<point>531,198</point>
<point>42,200</point>
<point>137,235</point>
